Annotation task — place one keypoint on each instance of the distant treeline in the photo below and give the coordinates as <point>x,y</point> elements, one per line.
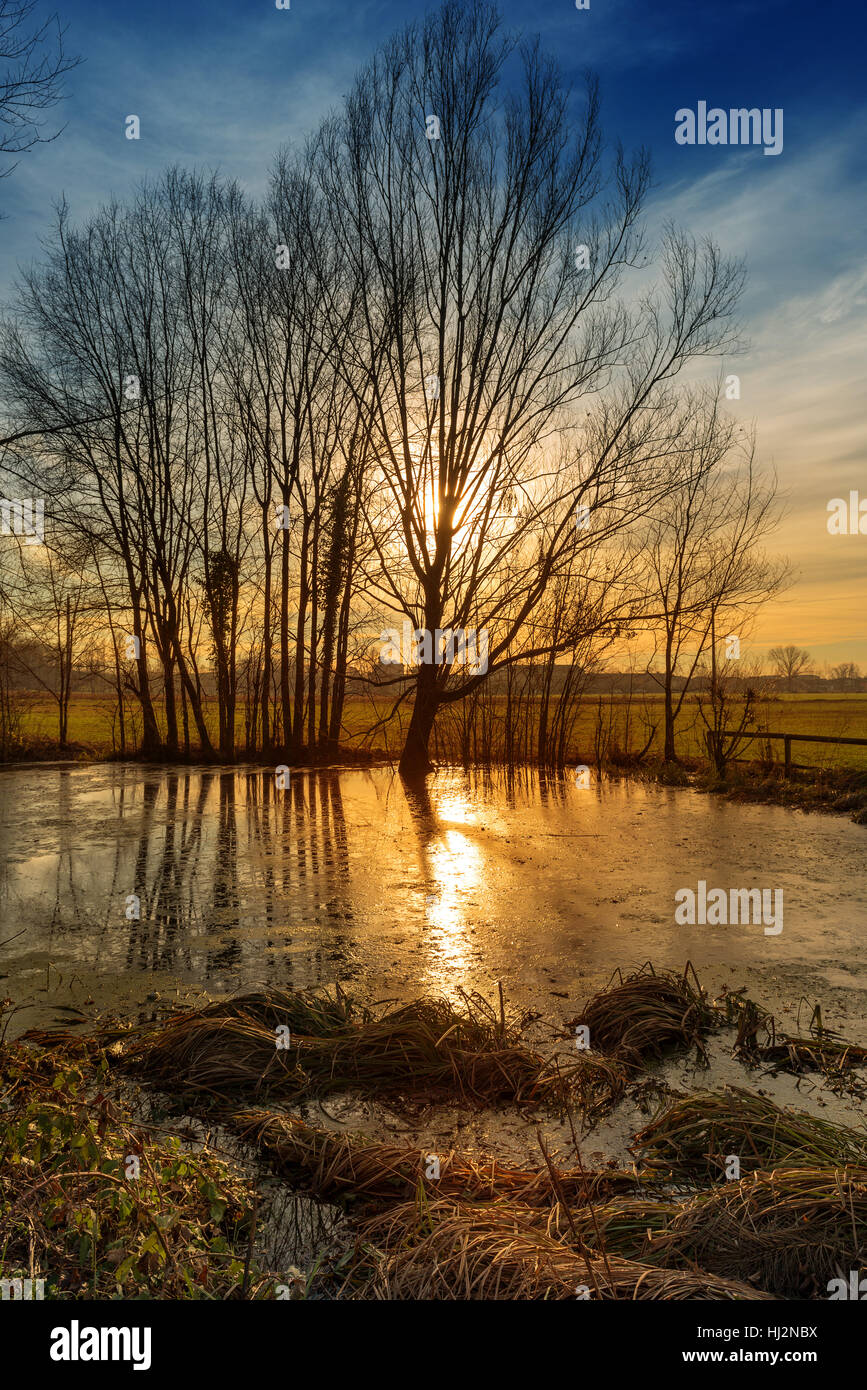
<point>30,667</point>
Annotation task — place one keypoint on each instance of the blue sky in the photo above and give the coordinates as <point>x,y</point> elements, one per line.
<point>224,85</point>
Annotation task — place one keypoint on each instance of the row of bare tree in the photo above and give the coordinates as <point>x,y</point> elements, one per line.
<point>433,375</point>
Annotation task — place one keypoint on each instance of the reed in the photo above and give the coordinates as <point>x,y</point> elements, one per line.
<point>693,1135</point>
<point>430,1048</point>
<point>449,1251</point>
<point>646,1014</point>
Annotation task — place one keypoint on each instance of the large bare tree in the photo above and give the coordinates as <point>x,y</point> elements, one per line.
<point>489,237</point>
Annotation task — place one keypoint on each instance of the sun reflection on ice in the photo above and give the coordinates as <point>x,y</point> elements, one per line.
<point>455,808</point>
<point>455,875</point>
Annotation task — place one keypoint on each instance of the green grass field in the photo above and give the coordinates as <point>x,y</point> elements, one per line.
<point>92,718</point>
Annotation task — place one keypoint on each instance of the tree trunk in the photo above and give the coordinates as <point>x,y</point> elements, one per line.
<point>303,592</point>
<point>150,738</point>
<point>415,760</point>
<point>265,693</point>
<point>285,693</point>
<point>311,679</point>
<point>669,754</point>
<point>171,704</point>
<point>186,718</point>
<point>195,698</point>
<point>339,695</point>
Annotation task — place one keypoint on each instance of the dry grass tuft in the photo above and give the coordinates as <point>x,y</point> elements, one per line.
<point>646,1014</point>
<point>500,1251</point>
<point>598,1084</point>
<point>339,1165</point>
<point>310,1012</point>
<point>215,1056</point>
<point>429,1047</point>
<point>790,1230</point>
<point>624,1225</point>
<point>693,1135</point>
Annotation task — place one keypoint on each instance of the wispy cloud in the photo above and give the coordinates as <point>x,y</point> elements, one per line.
<point>802,374</point>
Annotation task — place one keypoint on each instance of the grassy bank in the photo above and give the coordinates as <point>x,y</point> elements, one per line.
<point>629,726</point>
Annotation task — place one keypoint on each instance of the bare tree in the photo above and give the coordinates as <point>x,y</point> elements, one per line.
<point>105,362</point>
<point>846,675</point>
<point>704,554</point>
<point>488,239</point>
<point>413,385</point>
<point>727,708</point>
<point>33,63</point>
<point>790,662</point>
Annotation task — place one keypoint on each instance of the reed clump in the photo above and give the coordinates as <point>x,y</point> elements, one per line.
<point>214,1056</point>
<point>789,1230</point>
<point>430,1048</point>
<point>694,1135</point>
<point>623,1225</point>
<point>759,1039</point>
<point>312,1013</point>
<point>646,1014</point>
<point>598,1084</point>
<point>336,1165</point>
<point>450,1251</point>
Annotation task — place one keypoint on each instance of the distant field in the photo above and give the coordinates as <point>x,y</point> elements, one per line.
<point>92,717</point>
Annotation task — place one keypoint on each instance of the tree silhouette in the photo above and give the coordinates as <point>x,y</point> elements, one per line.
<point>33,62</point>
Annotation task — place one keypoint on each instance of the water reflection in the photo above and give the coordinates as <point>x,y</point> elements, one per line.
<point>188,871</point>
<point>452,871</point>
<point>218,879</point>
<point>220,875</point>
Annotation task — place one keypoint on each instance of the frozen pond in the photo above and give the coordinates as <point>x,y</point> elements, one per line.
<point>348,876</point>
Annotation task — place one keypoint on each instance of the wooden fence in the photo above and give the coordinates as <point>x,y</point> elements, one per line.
<point>788,740</point>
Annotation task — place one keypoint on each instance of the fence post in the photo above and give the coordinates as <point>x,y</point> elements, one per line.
<point>787,755</point>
